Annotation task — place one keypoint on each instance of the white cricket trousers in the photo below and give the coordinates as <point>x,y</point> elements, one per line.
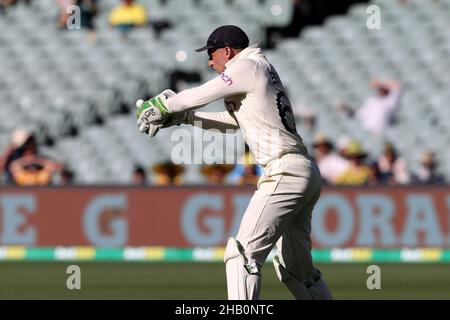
<point>280,213</point>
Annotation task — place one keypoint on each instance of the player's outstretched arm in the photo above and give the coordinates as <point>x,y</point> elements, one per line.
<point>221,121</point>
<point>238,78</point>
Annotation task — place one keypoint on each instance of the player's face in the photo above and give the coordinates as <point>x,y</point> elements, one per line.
<point>218,58</point>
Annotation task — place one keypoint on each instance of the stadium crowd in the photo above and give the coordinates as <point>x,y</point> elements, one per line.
<point>22,164</point>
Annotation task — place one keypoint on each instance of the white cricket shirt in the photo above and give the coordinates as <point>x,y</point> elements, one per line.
<point>255,101</point>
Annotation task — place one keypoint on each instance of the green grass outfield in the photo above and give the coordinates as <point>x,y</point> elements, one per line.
<point>187,281</point>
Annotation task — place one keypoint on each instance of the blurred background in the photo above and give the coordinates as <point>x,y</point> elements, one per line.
<point>369,85</point>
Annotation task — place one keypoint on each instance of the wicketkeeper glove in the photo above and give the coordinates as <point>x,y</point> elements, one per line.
<point>175,119</point>
<point>172,119</point>
<point>153,111</point>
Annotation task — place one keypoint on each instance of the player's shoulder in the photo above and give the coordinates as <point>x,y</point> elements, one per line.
<point>245,63</point>
<point>246,66</point>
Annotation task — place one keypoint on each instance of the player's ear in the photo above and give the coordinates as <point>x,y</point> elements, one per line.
<point>229,53</point>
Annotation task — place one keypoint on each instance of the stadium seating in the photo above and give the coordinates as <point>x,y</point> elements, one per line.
<point>54,80</point>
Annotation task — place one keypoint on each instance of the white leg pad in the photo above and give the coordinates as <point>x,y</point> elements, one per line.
<point>313,288</point>
<point>243,277</point>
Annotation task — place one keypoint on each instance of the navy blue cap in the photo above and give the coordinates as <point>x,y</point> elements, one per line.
<point>226,36</point>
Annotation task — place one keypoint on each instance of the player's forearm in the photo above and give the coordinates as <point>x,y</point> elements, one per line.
<point>198,97</point>
<point>189,100</point>
<point>239,78</point>
<point>221,121</point>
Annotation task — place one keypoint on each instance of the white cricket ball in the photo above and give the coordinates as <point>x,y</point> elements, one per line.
<point>139,103</point>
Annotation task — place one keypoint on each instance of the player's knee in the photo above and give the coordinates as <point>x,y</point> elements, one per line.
<point>234,250</point>
<point>282,274</point>
<point>243,273</point>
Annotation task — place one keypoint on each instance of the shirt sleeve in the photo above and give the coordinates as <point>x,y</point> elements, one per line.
<point>221,121</point>
<point>237,79</point>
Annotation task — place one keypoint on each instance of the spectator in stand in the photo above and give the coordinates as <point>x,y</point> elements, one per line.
<point>341,145</point>
<point>216,174</point>
<point>247,172</point>
<point>393,169</point>
<point>67,177</point>
<point>127,16</point>
<point>168,174</point>
<point>250,176</point>
<point>63,14</point>
<point>377,112</point>
<point>139,176</point>
<point>34,170</point>
<point>375,175</point>
<point>331,164</point>
<point>427,174</point>
<point>89,10</point>
<point>358,172</point>
<point>22,164</point>
<point>21,141</point>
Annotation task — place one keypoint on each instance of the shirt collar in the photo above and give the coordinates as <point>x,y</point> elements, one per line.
<point>247,52</point>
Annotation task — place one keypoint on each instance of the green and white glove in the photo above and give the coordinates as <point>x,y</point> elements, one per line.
<point>172,119</point>
<point>153,111</point>
<point>175,119</point>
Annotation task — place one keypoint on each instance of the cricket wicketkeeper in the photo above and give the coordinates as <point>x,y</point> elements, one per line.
<point>279,213</point>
